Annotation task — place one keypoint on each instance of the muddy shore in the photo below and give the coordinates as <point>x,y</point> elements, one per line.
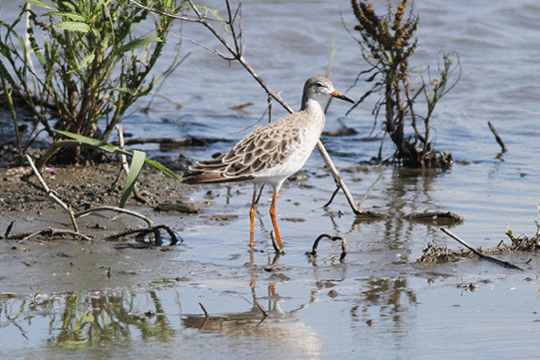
<point>46,263</point>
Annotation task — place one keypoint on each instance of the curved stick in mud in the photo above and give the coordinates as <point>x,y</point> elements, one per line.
<point>313,252</point>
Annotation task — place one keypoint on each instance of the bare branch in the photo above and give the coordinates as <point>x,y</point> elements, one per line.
<point>117,209</point>
<point>52,195</point>
<point>479,253</point>
<point>174,16</point>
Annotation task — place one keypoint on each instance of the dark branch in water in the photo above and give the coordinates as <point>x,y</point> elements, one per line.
<point>313,252</point>
<point>506,264</point>
<point>204,310</point>
<point>497,137</point>
<point>277,249</point>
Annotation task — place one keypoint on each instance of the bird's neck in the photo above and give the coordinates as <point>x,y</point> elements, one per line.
<point>315,114</point>
<point>311,105</point>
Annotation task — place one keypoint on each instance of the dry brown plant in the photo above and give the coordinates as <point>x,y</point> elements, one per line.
<point>387,44</point>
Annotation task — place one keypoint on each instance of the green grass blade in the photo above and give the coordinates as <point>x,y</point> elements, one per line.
<point>103,146</point>
<point>162,169</point>
<point>137,163</point>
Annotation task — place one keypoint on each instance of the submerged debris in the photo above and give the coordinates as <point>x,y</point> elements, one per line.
<point>435,253</point>
<point>436,217</point>
<point>439,254</point>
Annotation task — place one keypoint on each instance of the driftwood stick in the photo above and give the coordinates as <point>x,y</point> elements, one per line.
<point>369,190</point>
<point>333,196</point>
<point>313,252</point>
<point>48,230</point>
<point>152,229</point>
<point>8,229</point>
<point>264,312</point>
<point>117,209</point>
<point>337,178</point>
<point>204,310</point>
<point>506,264</point>
<point>497,137</point>
<point>52,195</point>
<point>277,249</point>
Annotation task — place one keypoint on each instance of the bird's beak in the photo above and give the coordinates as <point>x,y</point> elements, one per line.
<point>341,96</point>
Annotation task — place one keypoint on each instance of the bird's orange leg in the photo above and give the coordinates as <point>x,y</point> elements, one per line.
<point>252,213</point>
<point>274,220</point>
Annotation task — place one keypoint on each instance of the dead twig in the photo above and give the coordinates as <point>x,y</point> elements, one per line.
<point>369,190</point>
<point>152,229</point>
<point>506,264</point>
<point>338,187</point>
<point>497,137</point>
<point>73,216</point>
<point>277,249</point>
<point>313,253</point>
<point>264,312</point>
<point>8,229</point>
<point>117,209</point>
<point>204,310</point>
<point>48,230</point>
<point>52,194</point>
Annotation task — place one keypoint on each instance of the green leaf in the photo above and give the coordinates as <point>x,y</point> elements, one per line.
<point>39,3</point>
<point>4,73</point>
<point>509,231</point>
<point>215,14</point>
<point>71,16</point>
<point>137,163</point>
<point>86,61</point>
<point>132,45</point>
<point>73,26</point>
<point>162,169</point>
<point>125,90</point>
<point>87,317</point>
<point>103,146</point>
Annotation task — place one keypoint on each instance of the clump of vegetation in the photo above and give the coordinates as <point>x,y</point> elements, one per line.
<point>436,253</point>
<point>92,64</point>
<point>439,254</point>
<point>387,44</point>
<point>522,242</point>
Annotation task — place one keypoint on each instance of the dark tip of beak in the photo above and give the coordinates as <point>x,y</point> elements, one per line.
<point>341,96</point>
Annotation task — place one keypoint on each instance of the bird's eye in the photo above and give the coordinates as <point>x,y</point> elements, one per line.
<point>319,85</point>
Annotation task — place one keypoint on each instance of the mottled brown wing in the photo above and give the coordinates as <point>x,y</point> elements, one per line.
<point>261,149</point>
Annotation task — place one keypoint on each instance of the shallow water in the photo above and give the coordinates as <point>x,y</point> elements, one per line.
<point>378,303</point>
